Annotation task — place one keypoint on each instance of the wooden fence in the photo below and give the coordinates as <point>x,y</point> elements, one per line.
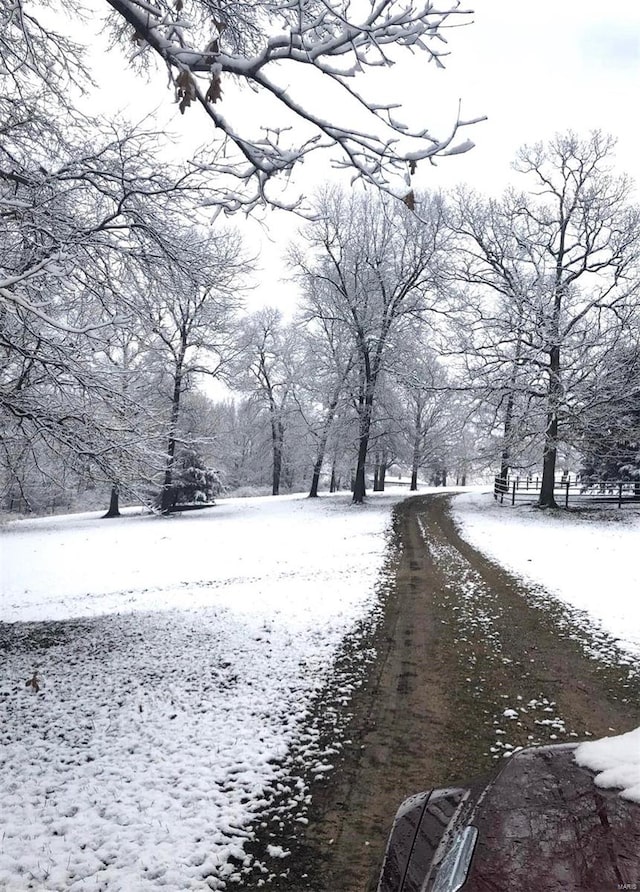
<point>567,490</point>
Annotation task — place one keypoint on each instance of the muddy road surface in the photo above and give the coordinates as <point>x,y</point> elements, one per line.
<point>468,665</point>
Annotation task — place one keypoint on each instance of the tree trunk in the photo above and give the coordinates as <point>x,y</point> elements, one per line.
<point>546,498</point>
<point>333,485</point>
<point>377,475</point>
<point>382,474</point>
<point>444,476</point>
<point>166,498</point>
<point>359,485</point>
<point>317,467</point>
<point>277,442</point>
<point>277,463</point>
<point>322,445</point>
<point>315,480</point>
<point>415,464</point>
<point>505,463</point>
<point>114,503</point>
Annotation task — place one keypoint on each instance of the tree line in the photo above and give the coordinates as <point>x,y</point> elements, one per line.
<point>445,334</point>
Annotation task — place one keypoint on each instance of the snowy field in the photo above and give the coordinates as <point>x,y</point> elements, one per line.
<point>178,665</point>
<point>591,562</point>
<point>181,659</point>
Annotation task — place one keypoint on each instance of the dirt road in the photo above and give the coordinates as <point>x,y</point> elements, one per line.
<point>469,664</point>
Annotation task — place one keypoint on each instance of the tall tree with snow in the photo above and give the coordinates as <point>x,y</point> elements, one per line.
<point>425,423</point>
<point>553,272</point>
<point>327,361</point>
<point>370,264</point>
<point>267,354</point>
<point>190,309</point>
<point>86,208</point>
<point>497,314</point>
<point>76,219</point>
<point>583,237</point>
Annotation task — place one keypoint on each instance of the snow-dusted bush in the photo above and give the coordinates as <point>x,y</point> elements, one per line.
<point>193,483</point>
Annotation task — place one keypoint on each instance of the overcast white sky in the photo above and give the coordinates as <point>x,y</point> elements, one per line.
<point>533,69</point>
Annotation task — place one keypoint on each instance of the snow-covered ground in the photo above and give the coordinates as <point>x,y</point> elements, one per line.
<point>179,663</point>
<point>590,561</point>
<point>260,556</point>
<point>182,656</point>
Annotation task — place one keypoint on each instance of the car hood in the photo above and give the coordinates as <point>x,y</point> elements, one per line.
<point>543,824</point>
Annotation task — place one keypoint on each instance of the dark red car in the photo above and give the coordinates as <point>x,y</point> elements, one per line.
<point>540,825</point>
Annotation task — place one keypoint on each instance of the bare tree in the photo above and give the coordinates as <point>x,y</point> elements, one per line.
<point>268,347</point>
<point>86,209</point>
<point>369,266</point>
<point>497,314</point>
<point>326,362</point>
<point>582,236</point>
<point>190,308</point>
<point>426,425</point>
<point>78,219</point>
<point>553,273</point>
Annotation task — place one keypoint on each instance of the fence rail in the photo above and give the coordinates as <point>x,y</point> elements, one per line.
<point>567,489</point>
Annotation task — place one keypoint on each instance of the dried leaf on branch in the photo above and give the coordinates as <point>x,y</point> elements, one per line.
<point>215,90</point>
<point>185,90</point>
<point>410,200</point>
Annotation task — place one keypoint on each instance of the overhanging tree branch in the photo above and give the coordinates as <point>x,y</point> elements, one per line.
<point>326,39</point>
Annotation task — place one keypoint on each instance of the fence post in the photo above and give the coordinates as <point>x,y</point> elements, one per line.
<point>513,495</point>
<point>619,495</point>
<point>566,497</point>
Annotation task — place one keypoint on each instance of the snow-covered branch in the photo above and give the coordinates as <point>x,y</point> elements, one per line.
<point>331,44</point>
